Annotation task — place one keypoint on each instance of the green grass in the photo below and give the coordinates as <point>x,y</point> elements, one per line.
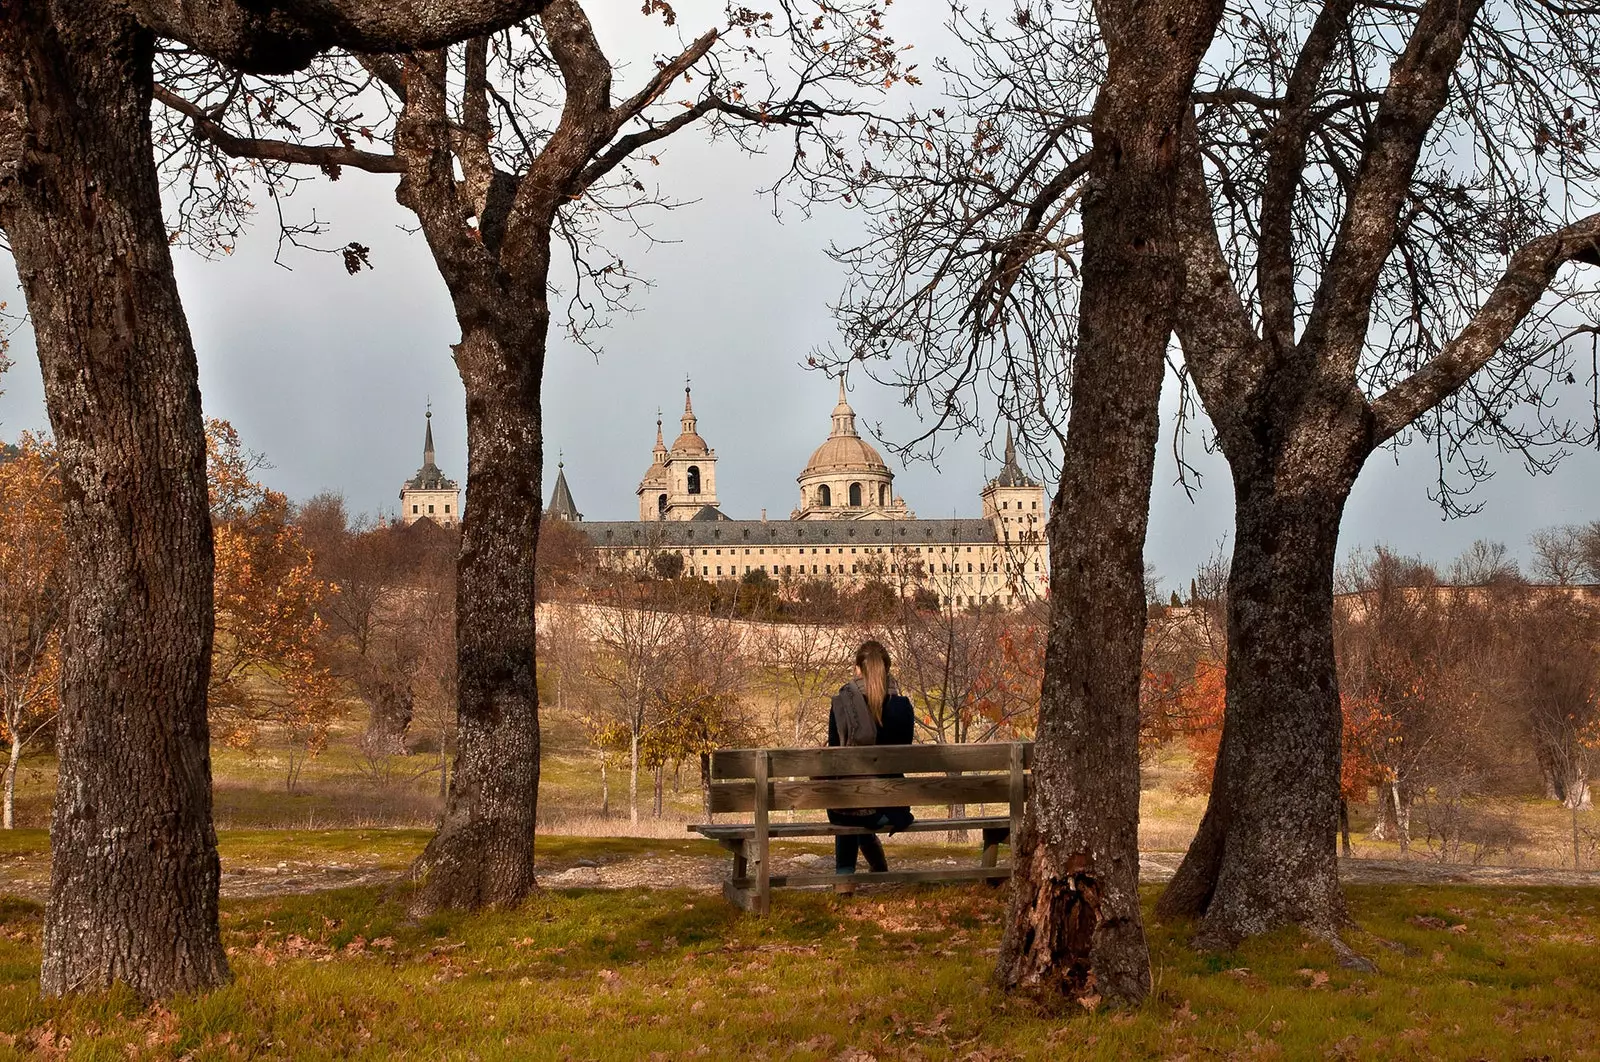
<point>1464,973</point>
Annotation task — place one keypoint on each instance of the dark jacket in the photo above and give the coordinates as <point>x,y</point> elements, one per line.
<point>850,723</point>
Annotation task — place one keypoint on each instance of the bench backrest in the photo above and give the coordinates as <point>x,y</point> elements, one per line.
<point>808,779</point>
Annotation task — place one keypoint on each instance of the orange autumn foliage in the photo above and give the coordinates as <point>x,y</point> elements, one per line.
<point>32,590</point>
<point>267,667</point>
<point>1202,702</point>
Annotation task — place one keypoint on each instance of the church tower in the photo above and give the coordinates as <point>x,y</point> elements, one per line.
<point>652,490</point>
<point>429,495</point>
<point>690,473</point>
<point>1013,502</point>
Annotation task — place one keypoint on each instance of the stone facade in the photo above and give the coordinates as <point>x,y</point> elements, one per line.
<point>850,527</point>
<point>429,495</point>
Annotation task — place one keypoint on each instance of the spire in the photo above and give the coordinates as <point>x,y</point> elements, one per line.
<point>661,443</point>
<point>561,506</point>
<point>688,409</point>
<point>1011,473</point>
<point>844,418</point>
<point>427,439</point>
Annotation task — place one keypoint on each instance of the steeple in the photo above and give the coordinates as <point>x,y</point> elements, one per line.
<point>844,418</point>
<point>1011,473</point>
<point>427,439</point>
<point>661,444</point>
<point>688,412</point>
<point>689,440</point>
<point>561,506</point>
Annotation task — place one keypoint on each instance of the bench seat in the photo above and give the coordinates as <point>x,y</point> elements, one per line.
<point>720,830</point>
<point>766,780</point>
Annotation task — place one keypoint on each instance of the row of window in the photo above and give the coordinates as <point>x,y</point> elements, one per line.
<point>929,550</point>
<point>828,569</point>
<point>416,509</point>
<point>1007,505</point>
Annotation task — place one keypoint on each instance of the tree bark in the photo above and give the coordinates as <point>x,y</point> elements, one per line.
<point>483,852</point>
<point>1074,929</point>
<point>8,813</point>
<point>633,778</point>
<point>1266,851</point>
<point>134,870</point>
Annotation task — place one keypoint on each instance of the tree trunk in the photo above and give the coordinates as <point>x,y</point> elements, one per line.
<point>658,781</point>
<point>1265,854</point>
<point>633,778</point>
<point>134,870</point>
<point>483,852</point>
<point>1344,828</point>
<point>8,813</point>
<point>1074,929</point>
<point>605,790</point>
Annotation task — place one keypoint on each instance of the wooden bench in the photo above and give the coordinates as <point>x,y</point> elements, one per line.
<point>763,781</point>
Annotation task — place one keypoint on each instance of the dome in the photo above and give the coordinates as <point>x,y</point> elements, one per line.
<point>844,450</point>
<point>845,453</point>
<point>690,442</point>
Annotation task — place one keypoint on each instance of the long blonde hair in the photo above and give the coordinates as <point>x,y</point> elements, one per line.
<point>873,660</point>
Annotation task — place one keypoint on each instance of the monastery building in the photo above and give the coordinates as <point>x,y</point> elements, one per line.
<point>850,526</point>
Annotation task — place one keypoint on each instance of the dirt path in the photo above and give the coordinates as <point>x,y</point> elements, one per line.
<point>30,878</point>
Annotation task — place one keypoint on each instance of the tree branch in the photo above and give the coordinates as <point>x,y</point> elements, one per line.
<point>1286,158</point>
<point>280,37</point>
<point>1419,85</point>
<point>328,157</point>
<point>1524,282</point>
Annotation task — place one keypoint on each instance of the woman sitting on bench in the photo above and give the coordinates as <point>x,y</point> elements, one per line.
<point>868,710</point>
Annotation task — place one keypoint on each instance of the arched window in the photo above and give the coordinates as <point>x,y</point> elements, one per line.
<point>661,504</point>
<point>855,495</point>
<point>883,494</point>
<point>824,496</point>
<point>694,479</point>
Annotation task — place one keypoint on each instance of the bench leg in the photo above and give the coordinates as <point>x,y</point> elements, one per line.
<point>992,839</point>
<point>742,898</point>
<point>741,864</point>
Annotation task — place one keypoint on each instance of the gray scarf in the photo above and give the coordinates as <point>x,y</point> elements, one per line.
<point>852,715</point>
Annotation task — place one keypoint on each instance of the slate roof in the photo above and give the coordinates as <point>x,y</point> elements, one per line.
<point>561,506</point>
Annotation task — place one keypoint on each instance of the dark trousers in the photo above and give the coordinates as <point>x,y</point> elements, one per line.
<point>846,847</point>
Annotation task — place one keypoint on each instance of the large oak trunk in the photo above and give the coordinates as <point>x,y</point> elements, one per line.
<point>1074,929</point>
<point>134,871</point>
<point>1266,852</point>
<point>483,852</point>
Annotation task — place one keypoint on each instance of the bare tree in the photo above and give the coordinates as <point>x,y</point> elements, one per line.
<point>635,639</point>
<point>1371,224</point>
<point>1046,145</point>
<point>1553,678</point>
<point>1561,554</point>
<point>545,154</point>
<point>134,873</point>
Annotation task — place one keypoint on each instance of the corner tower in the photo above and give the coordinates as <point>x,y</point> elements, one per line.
<point>429,495</point>
<point>1013,502</point>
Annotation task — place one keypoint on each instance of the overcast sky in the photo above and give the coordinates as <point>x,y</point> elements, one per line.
<point>328,375</point>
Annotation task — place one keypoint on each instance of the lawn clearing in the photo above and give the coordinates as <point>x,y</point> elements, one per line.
<point>1465,973</point>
